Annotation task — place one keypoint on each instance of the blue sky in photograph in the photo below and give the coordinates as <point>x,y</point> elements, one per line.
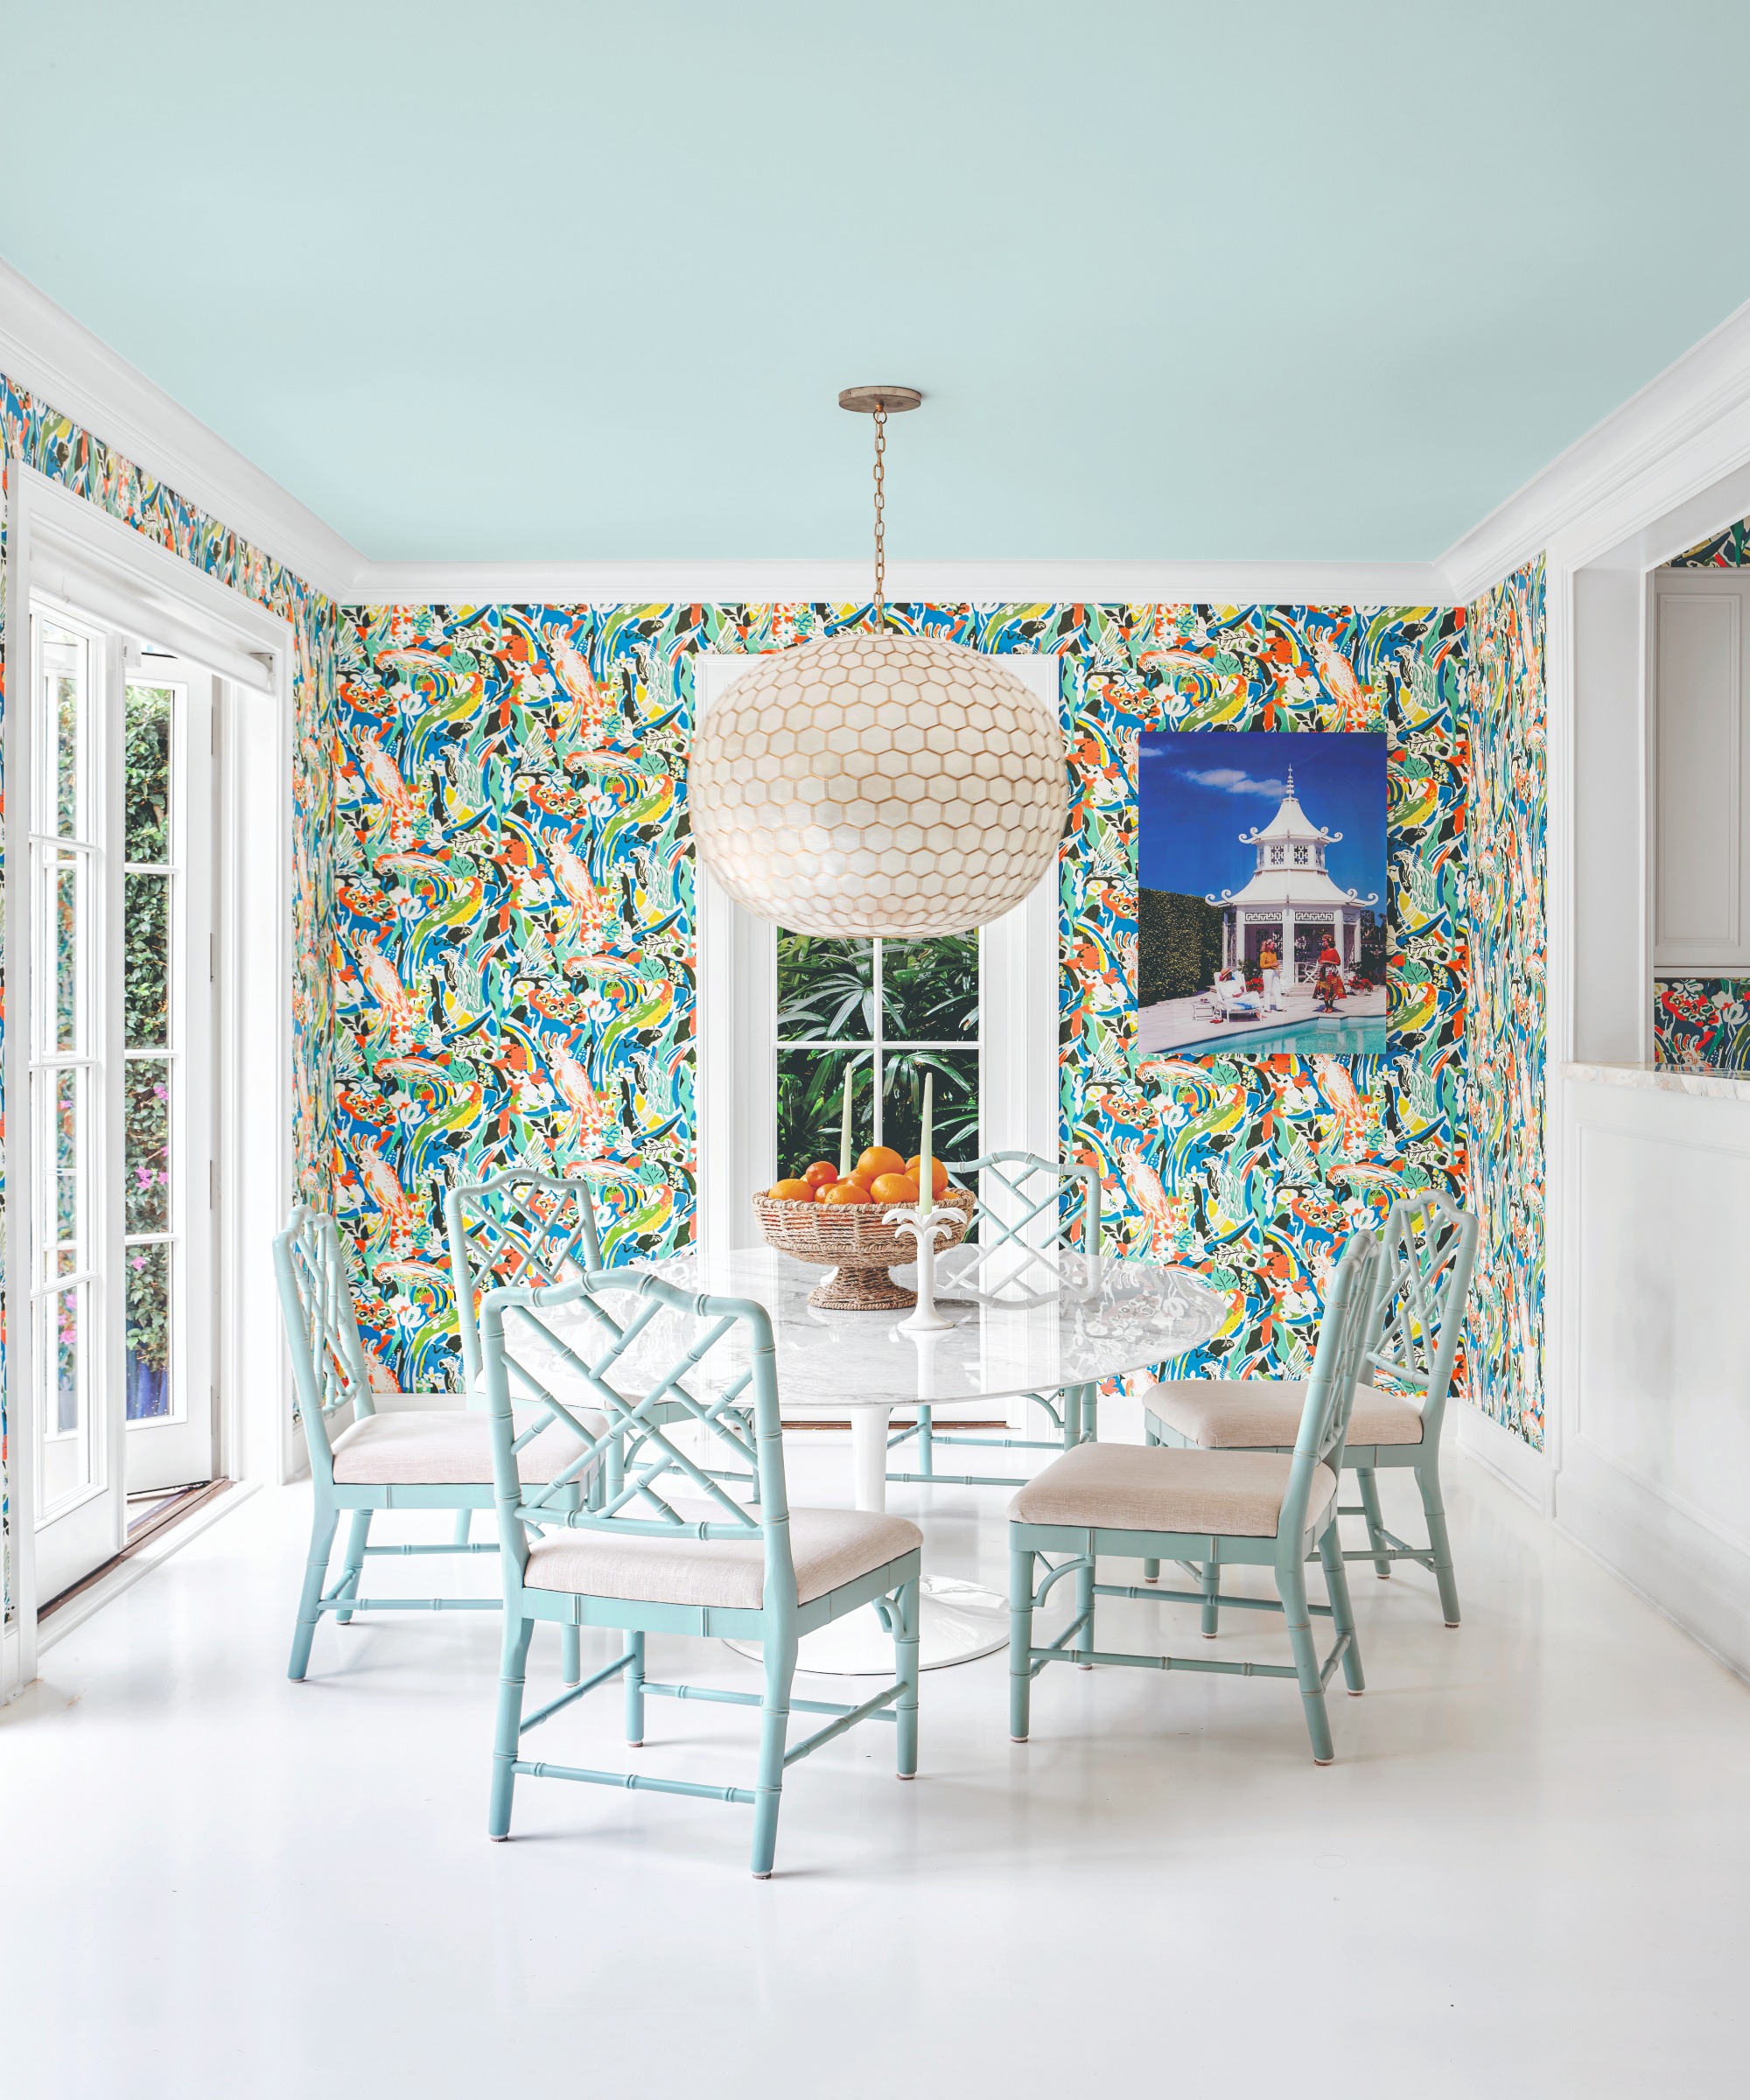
<point>1201,788</point>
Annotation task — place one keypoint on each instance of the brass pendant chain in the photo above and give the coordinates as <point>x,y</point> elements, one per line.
<point>880,517</point>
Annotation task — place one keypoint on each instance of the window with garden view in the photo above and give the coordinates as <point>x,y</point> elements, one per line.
<point>889,1012</point>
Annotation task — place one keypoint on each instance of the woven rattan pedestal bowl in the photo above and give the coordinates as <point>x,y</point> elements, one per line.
<point>858,1246</point>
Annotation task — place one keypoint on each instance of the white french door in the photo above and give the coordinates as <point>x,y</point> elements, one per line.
<point>119,1082</point>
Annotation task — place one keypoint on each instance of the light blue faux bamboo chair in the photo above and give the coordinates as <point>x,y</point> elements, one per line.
<point>1418,1320</point>
<point>669,1549</point>
<point>1030,1205</point>
<point>1211,1508</point>
<point>437,1459</point>
<point>532,1230</point>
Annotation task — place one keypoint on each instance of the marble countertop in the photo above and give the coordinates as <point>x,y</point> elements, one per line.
<point>1664,1079</point>
<point>1019,1328</point>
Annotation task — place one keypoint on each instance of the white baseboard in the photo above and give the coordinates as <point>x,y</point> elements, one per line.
<point>1509,1458</point>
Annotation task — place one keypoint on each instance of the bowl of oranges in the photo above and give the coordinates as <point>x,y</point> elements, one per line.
<point>840,1220</point>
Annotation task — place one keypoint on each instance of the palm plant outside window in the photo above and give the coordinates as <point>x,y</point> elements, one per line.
<point>890,1012</point>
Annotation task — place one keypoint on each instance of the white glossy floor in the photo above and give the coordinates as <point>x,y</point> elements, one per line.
<point>1525,1875</point>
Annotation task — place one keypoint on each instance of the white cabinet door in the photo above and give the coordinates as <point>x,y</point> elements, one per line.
<point>1701,771</point>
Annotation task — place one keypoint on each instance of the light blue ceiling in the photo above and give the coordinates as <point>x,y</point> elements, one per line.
<point>541,279</point>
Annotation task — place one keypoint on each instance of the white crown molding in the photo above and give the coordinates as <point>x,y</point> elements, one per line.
<point>43,348</point>
<point>923,582</point>
<point>1690,410</point>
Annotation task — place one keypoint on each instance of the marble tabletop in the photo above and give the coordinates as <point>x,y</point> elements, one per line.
<point>1022,1323</point>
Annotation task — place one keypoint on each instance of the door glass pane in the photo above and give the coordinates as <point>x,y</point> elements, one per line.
<point>67,1450</point>
<point>68,1101</point>
<point>65,663</point>
<point>810,1095</point>
<point>825,988</point>
<point>148,1387</point>
<point>930,988</point>
<point>69,876</point>
<point>146,962</point>
<point>955,1102</point>
<point>149,708</point>
<point>146,1110</point>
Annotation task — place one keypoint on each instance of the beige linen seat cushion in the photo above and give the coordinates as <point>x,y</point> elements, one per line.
<point>448,1447</point>
<point>1236,1414</point>
<point>830,1547</point>
<point>1154,1487</point>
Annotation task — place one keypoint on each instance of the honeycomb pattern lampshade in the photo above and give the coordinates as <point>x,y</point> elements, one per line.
<point>878,783</point>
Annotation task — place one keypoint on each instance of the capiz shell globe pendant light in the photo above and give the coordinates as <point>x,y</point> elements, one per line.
<point>877,782</point>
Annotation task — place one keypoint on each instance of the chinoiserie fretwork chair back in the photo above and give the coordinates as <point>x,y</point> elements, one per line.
<point>1423,1282</point>
<point>435,1459</point>
<point>523,1229</point>
<point>666,1548</point>
<point>1207,1509</point>
<point>1030,1212</point>
<point>330,1369</point>
<point>520,1228</point>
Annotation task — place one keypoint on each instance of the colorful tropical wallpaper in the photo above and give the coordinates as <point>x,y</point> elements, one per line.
<point>1702,1024</point>
<point>1506,1029</point>
<point>32,430</point>
<point>512,958</point>
<point>1727,549</point>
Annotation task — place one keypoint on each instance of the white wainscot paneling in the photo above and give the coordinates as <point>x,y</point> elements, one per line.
<point>1656,1469</point>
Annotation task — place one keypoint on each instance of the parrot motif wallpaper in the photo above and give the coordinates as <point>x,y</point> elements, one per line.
<point>512,938</point>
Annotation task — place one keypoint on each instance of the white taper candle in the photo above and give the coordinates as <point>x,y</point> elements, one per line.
<point>926,1163</point>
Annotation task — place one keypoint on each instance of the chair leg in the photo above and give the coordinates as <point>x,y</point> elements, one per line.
<point>324,1523</point>
<point>1084,1610</point>
<point>1020,1642</point>
<point>774,1725</point>
<point>512,1670</point>
<point>1151,1435</point>
<point>1434,1510</point>
<point>1342,1612</point>
<point>465,1519</point>
<point>906,1669</point>
<point>634,1675</point>
<point>1290,1583</point>
<point>572,1655</point>
<point>357,1536</point>
<point>1212,1593</point>
<point>1376,1522</point>
<point>927,1441</point>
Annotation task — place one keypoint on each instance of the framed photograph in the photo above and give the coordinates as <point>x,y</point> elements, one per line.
<point>1262,893</point>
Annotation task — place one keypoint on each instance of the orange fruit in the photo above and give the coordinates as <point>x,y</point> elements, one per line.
<point>878,1159</point>
<point>893,1188</point>
<point>822,1174</point>
<point>791,1192</point>
<point>845,1192</point>
<point>938,1172</point>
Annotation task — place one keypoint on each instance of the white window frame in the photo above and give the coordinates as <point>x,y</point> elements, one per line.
<point>738,988</point>
<point>62,546</point>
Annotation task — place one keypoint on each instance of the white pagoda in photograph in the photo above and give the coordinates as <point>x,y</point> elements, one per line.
<point>1290,893</point>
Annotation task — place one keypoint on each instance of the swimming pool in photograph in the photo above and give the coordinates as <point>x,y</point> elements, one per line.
<point>1328,1036</point>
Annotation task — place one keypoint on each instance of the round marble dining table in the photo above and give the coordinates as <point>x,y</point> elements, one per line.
<point>1020,1322</point>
